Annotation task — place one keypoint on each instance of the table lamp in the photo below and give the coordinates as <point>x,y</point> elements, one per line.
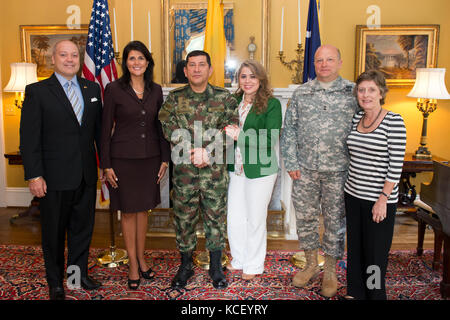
<point>429,86</point>
<point>22,74</point>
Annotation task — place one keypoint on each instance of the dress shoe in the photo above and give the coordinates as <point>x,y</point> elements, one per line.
<point>57,293</point>
<point>184,272</point>
<point>134,284</point>
<point>149,274</point>
<point>215,270</point>
<point>88,283</point>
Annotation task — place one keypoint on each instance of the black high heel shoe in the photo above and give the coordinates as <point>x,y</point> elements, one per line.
<point>149,274</point>
<point>134,284</point>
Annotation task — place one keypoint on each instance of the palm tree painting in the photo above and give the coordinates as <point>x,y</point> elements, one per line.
<point>41,50</point>
<point>41,43</point>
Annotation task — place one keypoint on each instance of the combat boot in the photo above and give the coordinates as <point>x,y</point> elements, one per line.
<point>215,270</point>
<point>329,282</point>
<point>310,271</point>
<point>184,272</point>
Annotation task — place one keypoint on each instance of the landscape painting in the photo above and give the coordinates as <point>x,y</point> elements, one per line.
<point>397,51</point>
<point>38,41</point>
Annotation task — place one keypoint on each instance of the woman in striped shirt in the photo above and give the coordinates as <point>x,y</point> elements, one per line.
<point>377,147</point>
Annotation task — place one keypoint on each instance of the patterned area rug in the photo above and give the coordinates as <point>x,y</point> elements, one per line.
<point>22,277</point>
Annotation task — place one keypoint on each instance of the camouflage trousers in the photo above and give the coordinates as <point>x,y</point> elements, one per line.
<point>320,192</point>
<point>200,193</point>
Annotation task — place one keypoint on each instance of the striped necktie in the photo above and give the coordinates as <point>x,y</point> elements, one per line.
<point>73,98</point>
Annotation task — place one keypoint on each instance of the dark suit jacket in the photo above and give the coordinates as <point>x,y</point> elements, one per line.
<point>52,142</point>
<point>137,130</point>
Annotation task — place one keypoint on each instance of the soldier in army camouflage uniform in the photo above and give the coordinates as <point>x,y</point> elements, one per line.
<point>313,146</point>
<point>193,118</point>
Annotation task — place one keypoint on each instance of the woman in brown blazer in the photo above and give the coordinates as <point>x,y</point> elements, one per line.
<point>134,153</point>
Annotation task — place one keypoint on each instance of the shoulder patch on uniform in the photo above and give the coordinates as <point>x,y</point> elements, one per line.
<point>179,88</point>
<point>348,84</point>
<point>163,115</point>
<point>219,88</point>
<point>303,89</point>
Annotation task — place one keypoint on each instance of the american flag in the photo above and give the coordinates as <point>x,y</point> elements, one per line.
<point>99,62</point>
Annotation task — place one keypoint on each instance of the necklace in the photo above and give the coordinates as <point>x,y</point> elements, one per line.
<point>248,100</point>
<point>137,92</point>
<point>367,127</point>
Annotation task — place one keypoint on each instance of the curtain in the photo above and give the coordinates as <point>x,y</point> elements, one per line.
<point>190,22</point>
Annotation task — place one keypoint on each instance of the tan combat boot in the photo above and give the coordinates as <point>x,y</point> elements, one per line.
<point>329,282</point>
<point>310,271</point>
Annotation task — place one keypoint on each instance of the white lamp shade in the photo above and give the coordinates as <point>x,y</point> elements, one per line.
<point>430,84</point>
<point>22,74</point>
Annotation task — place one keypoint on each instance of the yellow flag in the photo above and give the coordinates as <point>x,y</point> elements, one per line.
<point>215,43</point>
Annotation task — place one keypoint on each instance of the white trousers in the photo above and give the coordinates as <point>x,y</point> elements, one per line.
<point>248,200</point>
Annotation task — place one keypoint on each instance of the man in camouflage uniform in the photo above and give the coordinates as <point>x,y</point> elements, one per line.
<point>313,146</point>
<point>192,116</point>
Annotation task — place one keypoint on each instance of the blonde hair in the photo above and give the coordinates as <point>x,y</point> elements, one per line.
<point>264,92</point>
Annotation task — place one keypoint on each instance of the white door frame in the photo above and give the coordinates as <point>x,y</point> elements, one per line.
<point>2,150</point>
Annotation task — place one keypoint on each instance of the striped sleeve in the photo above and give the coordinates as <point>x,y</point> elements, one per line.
<point>396,136</point>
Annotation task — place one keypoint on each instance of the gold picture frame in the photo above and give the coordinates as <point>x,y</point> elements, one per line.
<point>37,42</point>
<point>396,50</point>
<point>261,36</point>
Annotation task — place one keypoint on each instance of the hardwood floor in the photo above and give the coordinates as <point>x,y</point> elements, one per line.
<point>26,231</point>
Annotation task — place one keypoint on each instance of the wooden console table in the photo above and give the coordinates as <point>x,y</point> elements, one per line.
<point>14,158</point>
<point>412,166</point>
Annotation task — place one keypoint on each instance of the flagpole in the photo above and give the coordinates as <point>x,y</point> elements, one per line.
<point>113,257</point>
<point>116,43</point>
<point>99,66</point>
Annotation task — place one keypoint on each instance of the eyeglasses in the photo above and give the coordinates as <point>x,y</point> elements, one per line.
<point>328,60</point>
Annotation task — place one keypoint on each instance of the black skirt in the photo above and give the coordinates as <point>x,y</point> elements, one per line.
<point>137,188</point>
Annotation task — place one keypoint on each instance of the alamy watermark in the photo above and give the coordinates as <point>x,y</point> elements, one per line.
<point>73,277</point>
<point>374,280</point>
<point>374,20</point>
<point>256,146</point>
<point>74,20</point>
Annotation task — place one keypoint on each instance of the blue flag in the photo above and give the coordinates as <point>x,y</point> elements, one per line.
<point>312,42</point>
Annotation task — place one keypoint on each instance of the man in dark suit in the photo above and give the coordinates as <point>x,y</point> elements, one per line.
<point>59,131</point>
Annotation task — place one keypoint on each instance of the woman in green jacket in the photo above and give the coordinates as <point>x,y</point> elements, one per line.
<point>254,171</point>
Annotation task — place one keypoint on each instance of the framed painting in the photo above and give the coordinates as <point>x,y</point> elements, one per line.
<point>183,24</point>
<point>397,51</point>
<point>37,43</point>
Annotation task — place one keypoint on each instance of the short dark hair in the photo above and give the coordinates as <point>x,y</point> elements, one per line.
<point>180,77</point>
<point>375,76</point>
<point>148,74</point>
<point>196,53</point>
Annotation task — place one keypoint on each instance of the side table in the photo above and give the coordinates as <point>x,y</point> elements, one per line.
<point>412,166</point>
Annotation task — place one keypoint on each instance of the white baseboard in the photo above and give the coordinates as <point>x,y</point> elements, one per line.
<point>18,197</point>
<point>21,197</point>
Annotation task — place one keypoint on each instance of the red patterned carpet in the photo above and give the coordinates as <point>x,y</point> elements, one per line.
<point>22,277</point>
